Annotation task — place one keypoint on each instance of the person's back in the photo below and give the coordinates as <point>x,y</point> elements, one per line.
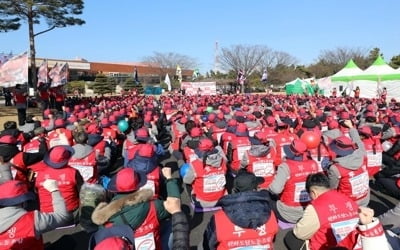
<point>251,225</point>
<point>22,229</point>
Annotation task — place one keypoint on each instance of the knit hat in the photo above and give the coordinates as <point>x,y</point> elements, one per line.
<point>196,132</point>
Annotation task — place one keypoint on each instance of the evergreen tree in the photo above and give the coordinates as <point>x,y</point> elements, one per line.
<point>102,85</point>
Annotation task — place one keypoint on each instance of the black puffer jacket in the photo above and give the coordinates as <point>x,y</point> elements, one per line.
<point>246,209</point>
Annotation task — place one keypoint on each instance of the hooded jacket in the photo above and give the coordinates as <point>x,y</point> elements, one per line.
<point>249,209</point>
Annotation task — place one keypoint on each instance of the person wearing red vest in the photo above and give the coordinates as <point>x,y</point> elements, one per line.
<point>14,163</point>
<point>100,146</point>
<point>348,170</point>
<point>59,98</point>
<point>228,135</point>
<point>22,229</point>
<point>334,220</point>
<point>34,145</point>
<point>246,219</point>
<point>260,159</point>
<point>60,135</point>
<point>374,150</point>
<point>237,147</point>
<point>357,92</point>
<point>289,182</point>
<point>145,217</point>
<point>206,175</point>
<point>145,162</point>
<point>20,94</point>
<point>55,166</point>
<point>283,138</point>
<point>191,143</point>
<point>84,159</point>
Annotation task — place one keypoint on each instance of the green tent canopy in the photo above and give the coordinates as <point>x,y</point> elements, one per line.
<point>379,71</point>
<point>348,73</point>
<point>298,87</point>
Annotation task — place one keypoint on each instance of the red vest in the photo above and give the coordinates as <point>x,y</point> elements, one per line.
<point>21,235</point>
<point>18,162</point>
<point>374,155</point>
<point>338,216</point>
<point>318,154</point>
<point>239,146</point>
<point>263,166</point>
<point>354,184</point>
<point>87,167</point>
<point>153,182</point>
<point>54,137</point>
<point>217,133</point>
<point>209,184</point>
<point>100,147</point>
<point>189,154</point>
<point>226,137</point>
<point>294,193</point>
<point>66,181</point>
<point>230,236</point>
<point>147,235</point>
<point>270,131</point>
<point>32,146</point>
<point>282,139</point>
<point>131,149</point>
<point>109,133</point>
<point>20,98</point>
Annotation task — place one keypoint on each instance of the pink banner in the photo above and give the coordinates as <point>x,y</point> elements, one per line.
<point>14,71</point>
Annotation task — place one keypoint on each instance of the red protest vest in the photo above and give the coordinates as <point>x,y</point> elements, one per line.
<point>20,97</point>
<point>282,139</point>
<point>226,137</point>
<point>108,132</point>
<point>354,183</point>
<point>263,166</point>
<point>374,150</point>
<point>100,147</point>
<point>54,137</point>
<point>338,214</point>
<point>217,133</point>
<point>239,146</point>
<point>21,235</point>
<point>131,149</point>
<point>147,235</point>
<point>32,146</point>
<point>271,133</point>
<point>66,181</point>
<point>209,184</point>
<point>18,167</point>
<point>230,236</point>
<point>318,154</point>
<point>153,182</point>
<point>294,193</point>
<point>189,154</point>
<point>87,167</point>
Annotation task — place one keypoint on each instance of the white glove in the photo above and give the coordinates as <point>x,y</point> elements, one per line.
<point>50,185</point>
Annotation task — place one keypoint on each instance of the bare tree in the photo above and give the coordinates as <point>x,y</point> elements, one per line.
<point>341,55</point>
<point>170,60</point>
<point>245,57</point>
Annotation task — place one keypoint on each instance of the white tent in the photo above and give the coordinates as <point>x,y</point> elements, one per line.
<point>343,80</point>
<point>377,76</point>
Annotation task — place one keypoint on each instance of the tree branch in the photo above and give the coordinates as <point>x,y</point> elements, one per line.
<point>44,31</point>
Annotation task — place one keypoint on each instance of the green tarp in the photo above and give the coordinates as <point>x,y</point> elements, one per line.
<point>297,87</point>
